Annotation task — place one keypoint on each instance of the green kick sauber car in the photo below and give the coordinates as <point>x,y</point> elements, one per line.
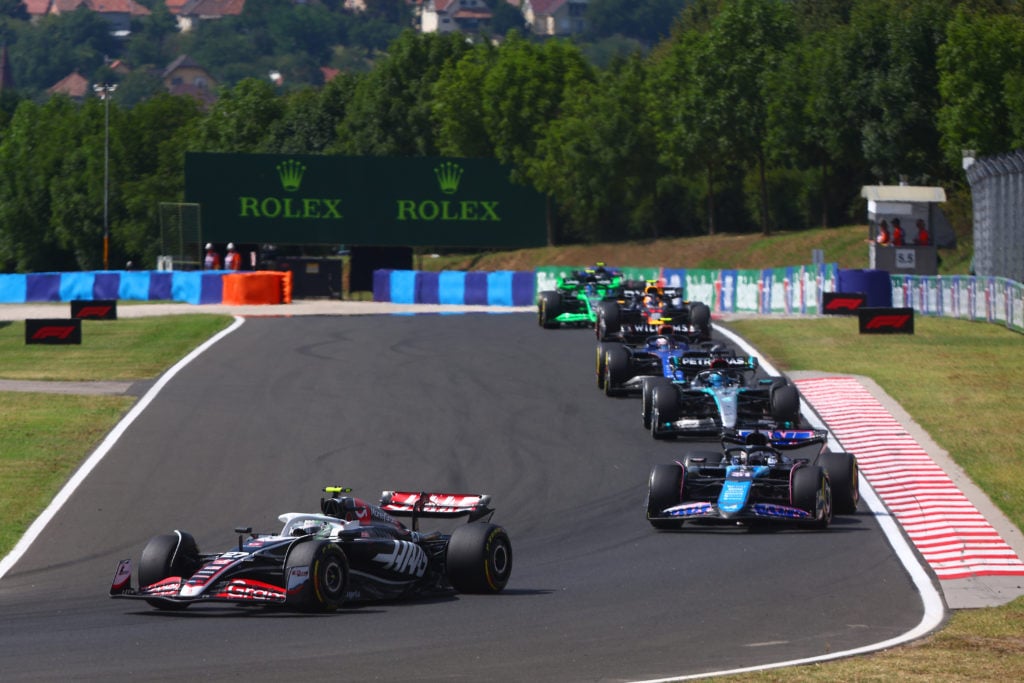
<point>574,301</point>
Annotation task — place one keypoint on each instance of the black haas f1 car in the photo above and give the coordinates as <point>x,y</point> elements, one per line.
<point>753,478</point>
<point>640,313</point>
<point>351,551</point>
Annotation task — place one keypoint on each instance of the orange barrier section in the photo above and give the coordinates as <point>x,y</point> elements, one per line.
<point>264,287</point>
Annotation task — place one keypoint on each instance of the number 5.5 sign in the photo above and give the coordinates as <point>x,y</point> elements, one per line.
<point>906,259</point>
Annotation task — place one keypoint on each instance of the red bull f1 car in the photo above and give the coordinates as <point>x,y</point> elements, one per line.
<point>639,313</point>
<point>351,551</point>
<point>756,477</point>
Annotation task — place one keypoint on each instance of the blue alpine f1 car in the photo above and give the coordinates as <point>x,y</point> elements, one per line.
<point>756,477</point>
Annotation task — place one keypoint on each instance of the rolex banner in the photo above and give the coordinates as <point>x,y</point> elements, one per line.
<point>377,201</point>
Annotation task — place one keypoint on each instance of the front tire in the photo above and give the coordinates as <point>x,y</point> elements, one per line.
<point>167,555</point>
<point>664,408</point>
<point>479,558</point>
<point>664,489</point>
<point>647,396</point>
<point>616,370</point>
<point>325,569</point>
<point>810,492</point>
<point>549,306</point>
<point>843,477</point>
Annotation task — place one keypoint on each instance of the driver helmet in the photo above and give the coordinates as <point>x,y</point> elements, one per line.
<point>659,342</point>
<point>716,379</point>
<point>309,527</point>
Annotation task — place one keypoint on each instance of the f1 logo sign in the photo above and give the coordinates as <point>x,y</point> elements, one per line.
<point>841,303</point>
<point>886,320</point>
<point>97,309</point>
<point>53,331</point>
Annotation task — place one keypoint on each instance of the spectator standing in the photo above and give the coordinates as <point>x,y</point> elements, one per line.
<point>897,233</point>
<point>883,233</point>
<point>923,238</point>
<point>233,261</point>
<point>212,259</point>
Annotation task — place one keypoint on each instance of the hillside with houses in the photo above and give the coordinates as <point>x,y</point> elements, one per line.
<point>191,47</point>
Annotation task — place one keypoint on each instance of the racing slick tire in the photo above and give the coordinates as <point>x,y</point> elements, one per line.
<point>479,558</point>
<point>784,402</point>
<point>843,477</point>
<point>811,492</point>
<point>608,320</point>
<point>664,489</point>
<point>616,369</point>
<point>647,396</point>
<point>700,320</point>
<point>324,589</point>
<point>174,554</point>
<point>601,351</point>
<point>549,305</point>
<point>664,408</point>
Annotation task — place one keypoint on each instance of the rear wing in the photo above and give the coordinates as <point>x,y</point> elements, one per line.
<point>422,504</point>
<point>780,439</point>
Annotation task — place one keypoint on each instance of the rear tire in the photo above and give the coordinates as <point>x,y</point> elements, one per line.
<point>601,351</point>
<point>549,306</point>
<point>664,489</point>
<point>174,554</point>
<point>700,319</point>
<point>479,558</point>
<point>811,493</point>
<point>327,580</point>
<point>784,403</point>
<point>843,477</point>
<point>608,320</point>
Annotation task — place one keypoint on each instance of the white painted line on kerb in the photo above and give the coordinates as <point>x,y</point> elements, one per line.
<point>36,528</point>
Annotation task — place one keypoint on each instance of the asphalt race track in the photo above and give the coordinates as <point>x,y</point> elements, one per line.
<point>258,424</point>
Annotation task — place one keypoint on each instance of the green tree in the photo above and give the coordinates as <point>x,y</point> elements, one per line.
<point>390,112</point>
<point>894,45</point>
<point>980,68</point>
<point>599,158</point>
<point>240,119</point>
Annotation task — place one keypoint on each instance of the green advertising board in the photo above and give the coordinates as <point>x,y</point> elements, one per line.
<point>373,201</point>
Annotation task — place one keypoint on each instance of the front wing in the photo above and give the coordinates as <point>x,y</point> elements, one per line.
<point>175,589</point>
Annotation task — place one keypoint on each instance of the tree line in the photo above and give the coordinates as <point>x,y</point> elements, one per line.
<point>751,115</point>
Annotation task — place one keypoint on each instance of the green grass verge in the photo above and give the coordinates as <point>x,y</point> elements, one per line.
<point>112,350</point>
<point>45,437</point>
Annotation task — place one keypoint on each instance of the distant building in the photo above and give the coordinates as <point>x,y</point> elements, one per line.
<point>448,16</point>
<point>555,17</point>
<point>184,76</point>
<point>190,12</point>
<point>119,13</point>
<point>74,85</point>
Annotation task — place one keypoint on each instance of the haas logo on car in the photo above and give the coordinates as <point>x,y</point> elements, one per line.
<point>405,558</point>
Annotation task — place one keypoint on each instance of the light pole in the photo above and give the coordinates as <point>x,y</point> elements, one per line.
<point>106,91</point>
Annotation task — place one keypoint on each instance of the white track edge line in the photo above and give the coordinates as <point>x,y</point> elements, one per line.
<point>101,451</point>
